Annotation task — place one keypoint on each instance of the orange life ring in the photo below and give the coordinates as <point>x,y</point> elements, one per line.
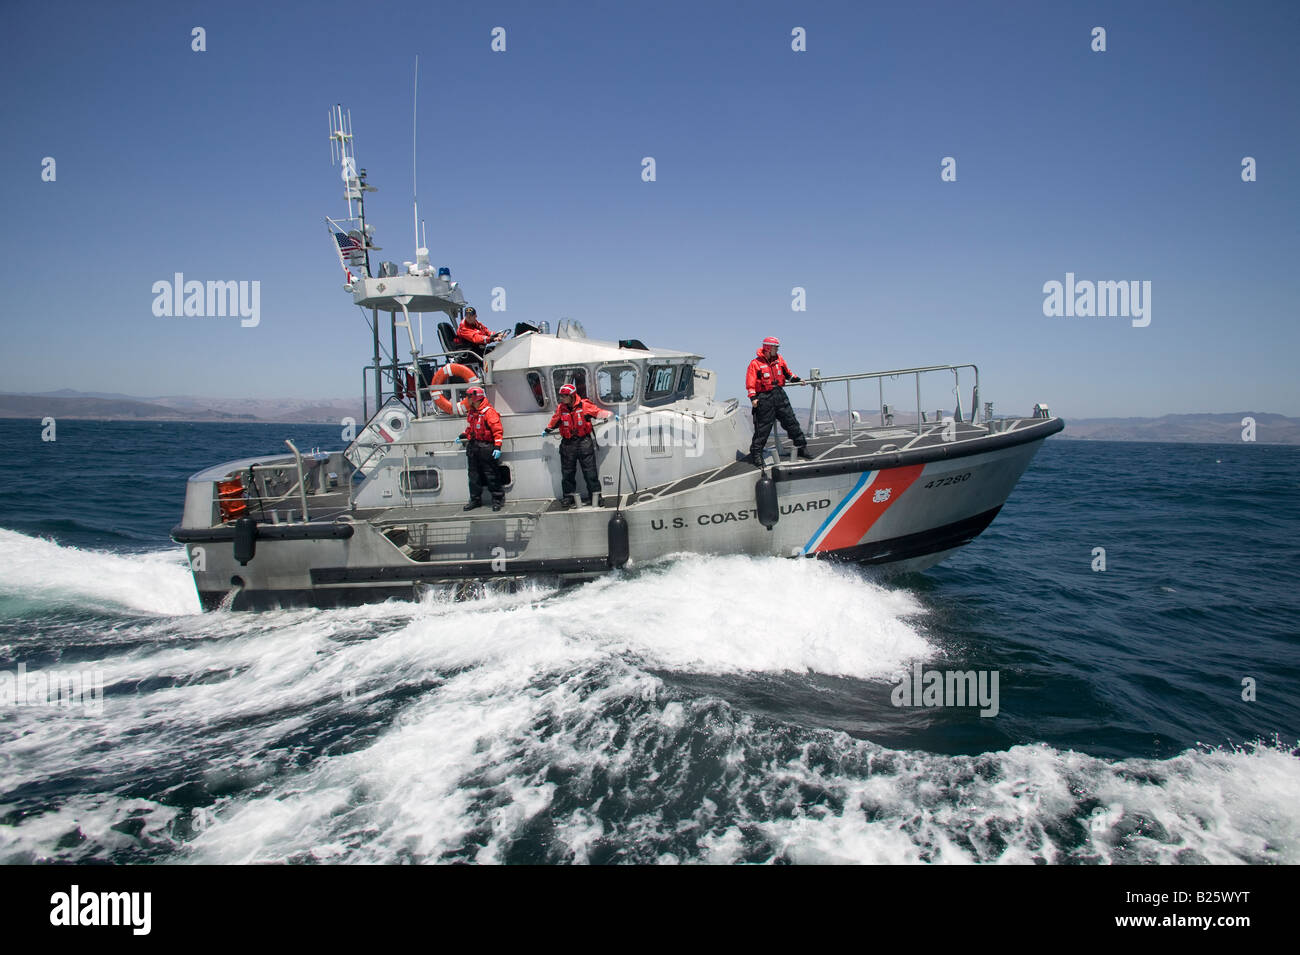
<point>441,376</point>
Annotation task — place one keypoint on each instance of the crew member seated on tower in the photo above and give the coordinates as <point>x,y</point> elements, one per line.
<point>764,381</point>
<point>473,335</point>
<point>482,437</point>
<point>573,417</point>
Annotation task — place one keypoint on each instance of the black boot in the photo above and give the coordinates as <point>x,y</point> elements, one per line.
<point>756,459</point>
<point>803,453</point>
<point>471,505</point>
<point>497,505</point>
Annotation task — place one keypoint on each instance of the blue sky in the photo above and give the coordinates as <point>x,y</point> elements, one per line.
<point>775,169</point>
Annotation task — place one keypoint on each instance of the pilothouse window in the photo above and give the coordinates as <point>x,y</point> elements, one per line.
<point>616,384</point>
<point>572,376</point>
<point>662,379</point>
<point>669,383</point>
<point>535,383</point>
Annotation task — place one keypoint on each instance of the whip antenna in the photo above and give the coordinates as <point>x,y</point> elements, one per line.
<point>415,192</point>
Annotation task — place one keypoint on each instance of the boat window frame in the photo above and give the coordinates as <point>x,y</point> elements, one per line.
<point>674,385</point>
<point>404,485</point>
<point>564,370</point>
<point>540,395</point>
<point>686,384</point>
<point>632,396</point>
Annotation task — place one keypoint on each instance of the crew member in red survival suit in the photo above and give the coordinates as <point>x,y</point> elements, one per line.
<point>473,335</point>
<point>764,381</point>
<point>573,417</point>
<point>482,436</point>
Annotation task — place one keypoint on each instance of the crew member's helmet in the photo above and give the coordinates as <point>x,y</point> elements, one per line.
<point>771,340</point>
<point>476,393</point>
<point>569,389</point>
<point>470,313</point>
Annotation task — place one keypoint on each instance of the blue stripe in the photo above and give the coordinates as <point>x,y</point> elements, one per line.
<point>867,476</point>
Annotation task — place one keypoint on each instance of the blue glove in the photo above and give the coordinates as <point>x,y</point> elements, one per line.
<point>496,454</point>
<point>460,439</point>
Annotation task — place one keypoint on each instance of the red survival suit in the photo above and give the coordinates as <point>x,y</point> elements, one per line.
<point>765,380</point>
<point>483,431</point>
<point>577,446</point>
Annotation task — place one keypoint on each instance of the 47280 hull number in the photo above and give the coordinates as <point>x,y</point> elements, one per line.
<point>952,479</point>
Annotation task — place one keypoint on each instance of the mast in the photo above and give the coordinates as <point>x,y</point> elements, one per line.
<point>354,190</point>
<point>418,288</point>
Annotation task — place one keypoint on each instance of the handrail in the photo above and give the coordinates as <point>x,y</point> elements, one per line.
<point>817,382</point>
<point>302,486</point>
<point>884,374</point>
<point>414,442</point>
<point>393,368</point>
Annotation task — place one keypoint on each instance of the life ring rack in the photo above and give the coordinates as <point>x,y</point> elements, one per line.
<point>445,374</point>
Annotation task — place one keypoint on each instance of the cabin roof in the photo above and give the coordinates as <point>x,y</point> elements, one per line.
<point>538,351</point>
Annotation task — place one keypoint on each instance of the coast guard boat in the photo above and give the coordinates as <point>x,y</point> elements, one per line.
<point>384,517</point>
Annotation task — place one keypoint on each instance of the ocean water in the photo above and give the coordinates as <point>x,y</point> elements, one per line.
<point>699,709</point>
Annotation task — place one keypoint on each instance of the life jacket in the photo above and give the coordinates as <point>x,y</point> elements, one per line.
<point>764,375</point>
<point>473,334</point>
<point>574,420</point>
<point>483,424</point>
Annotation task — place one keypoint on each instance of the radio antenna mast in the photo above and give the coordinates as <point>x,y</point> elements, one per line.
<point>415,192</point>
<point>354,183</point>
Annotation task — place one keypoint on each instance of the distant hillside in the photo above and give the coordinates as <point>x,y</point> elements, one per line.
<point>65,403</point>
<point>1194,428</point>
<point>1190,428</point>
<point>293,410</point>
<point>108,407</point>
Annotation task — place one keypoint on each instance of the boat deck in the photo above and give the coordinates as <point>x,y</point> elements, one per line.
<point>868,449</point>
<point>431,529</point>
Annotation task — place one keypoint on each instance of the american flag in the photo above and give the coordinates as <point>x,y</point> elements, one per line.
<point>349,249</point>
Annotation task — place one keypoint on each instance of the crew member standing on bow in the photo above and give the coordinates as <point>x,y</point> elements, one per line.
<point>474,335</point>
<point>482,435</point>
<point>573,417</point>
<point>765,382</point>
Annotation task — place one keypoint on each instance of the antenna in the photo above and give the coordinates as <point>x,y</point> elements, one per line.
<point>354,184</point>
<point>341,153</point>
<point>415,193</point>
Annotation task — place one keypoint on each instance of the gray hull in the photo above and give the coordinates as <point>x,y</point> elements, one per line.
<point>900,510</point>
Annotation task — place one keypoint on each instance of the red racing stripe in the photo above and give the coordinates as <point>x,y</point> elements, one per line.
<point>858,518</point>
